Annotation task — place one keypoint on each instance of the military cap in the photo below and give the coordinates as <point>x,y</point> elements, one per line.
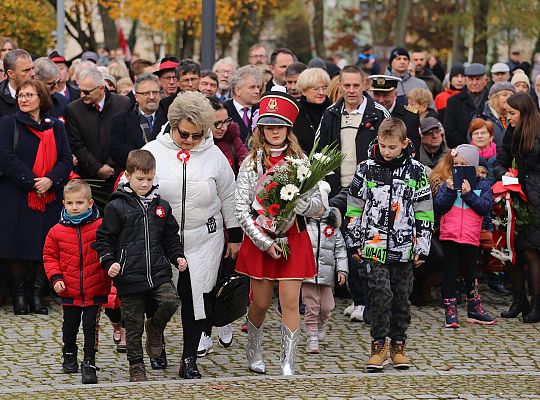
<point>384,83</point>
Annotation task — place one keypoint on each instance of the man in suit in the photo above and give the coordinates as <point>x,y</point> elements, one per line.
<point>19,67</point>
<point>384,91</point>
<point>280,59</point>
<point>137,68</point>
<point>132,129</point>
<point>224,69</point>
<point>66,89</point>
<point>246,85</point>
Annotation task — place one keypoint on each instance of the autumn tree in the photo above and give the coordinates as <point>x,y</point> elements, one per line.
<point>19,22</point>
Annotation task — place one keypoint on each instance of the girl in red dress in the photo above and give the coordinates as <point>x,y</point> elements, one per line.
<point>260,257</point>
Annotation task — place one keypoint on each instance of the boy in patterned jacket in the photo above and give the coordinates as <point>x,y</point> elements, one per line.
<point>391,210</point>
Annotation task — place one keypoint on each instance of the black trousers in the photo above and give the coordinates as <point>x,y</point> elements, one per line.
<point>456,255</point>
<point>70,328</point>
<point>191,329</point>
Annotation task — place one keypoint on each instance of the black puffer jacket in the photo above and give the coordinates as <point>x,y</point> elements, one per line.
<point>143,239</point>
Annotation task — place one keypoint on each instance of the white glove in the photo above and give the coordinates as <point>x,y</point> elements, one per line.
<point>302,206</point>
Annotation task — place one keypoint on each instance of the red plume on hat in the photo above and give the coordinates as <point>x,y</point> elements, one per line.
<point>277,108</point>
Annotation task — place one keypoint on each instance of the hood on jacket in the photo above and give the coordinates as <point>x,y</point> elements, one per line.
<point>406,154</point>
<point>333,218</point>
<point>232,132</point>
<point>164,138</point>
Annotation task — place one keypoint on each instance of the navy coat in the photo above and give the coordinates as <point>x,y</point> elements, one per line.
<point>23,231</point>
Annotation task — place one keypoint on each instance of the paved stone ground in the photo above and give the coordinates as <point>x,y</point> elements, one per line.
<point>473,362</point>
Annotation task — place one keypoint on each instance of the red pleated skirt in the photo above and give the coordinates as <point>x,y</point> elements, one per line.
<point>300,263</point>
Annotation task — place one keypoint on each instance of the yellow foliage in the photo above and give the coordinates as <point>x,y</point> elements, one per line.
<point>30,23</point>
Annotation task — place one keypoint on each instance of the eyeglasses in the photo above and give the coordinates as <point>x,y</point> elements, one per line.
<point>221,124</point>
<point>52,85</point>
<point>187,135</point>
<point>26,96</point>
<point>168,78</point>
<point>87,92</point>
<point>154,93</point>
<point>224,71</point>
<point>319,88</point>
<point>188,80</point>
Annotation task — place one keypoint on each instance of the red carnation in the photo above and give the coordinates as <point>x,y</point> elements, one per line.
<point>270,186</point>
<point>368,125</point>
<point>329,231</point>
<point>273,209</point>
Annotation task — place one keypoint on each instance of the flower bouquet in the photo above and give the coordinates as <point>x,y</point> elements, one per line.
<point>279,189</point>
<point>510,215</point>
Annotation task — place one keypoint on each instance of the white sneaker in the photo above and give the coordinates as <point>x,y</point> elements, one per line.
<point>225,335</point>
<point>348,310</point>
<point>322,331</point>
<point>312,345</point>
<point>205,345</point>
<point>358,314</point>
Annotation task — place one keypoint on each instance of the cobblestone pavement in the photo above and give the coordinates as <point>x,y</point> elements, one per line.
<point>473,362</point>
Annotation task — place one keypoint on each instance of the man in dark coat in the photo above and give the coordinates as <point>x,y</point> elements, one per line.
<point>18,66</point>
<point>280,59</point>
<point>48,72</point>
<point>132,129</point>
<point>419,59</point>
<point>66,89</point>
<point>384,92</point>
<point>246,85</point>
<point>89,120</point>
<point>462,106</point>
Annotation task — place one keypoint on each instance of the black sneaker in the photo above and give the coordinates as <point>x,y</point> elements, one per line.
<point>69,363</point>
<point>476,313</point>
<point>88,372</point>
<point>496,284</point>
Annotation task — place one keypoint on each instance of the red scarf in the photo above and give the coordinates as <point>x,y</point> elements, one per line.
<point>43,164</point>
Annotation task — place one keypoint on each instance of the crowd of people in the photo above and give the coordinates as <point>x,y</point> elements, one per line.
<point>114,174</point>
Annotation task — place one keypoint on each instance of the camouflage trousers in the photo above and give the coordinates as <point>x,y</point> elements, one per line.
<point>389,289</point>
<point>133,307</point>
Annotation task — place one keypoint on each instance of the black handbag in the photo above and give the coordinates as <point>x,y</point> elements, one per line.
<point>229,299</point>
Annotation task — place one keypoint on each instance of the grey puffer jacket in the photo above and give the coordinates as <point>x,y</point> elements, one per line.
<point>246,182</point>
<point>328,248</point>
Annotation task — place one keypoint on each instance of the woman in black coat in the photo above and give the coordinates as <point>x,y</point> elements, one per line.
<point>313,84</point>
<point>36,160</point>
<point>522,144</point>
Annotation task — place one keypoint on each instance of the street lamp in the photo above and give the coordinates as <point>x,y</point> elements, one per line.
<point>208,39</point>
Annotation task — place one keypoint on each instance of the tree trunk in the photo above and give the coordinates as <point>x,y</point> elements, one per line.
<point>317,28</point>
<point>458,40</point>
<point>178,35</point>
<point>403,12</point>
<point>110,33</point>
<point>480,23</point>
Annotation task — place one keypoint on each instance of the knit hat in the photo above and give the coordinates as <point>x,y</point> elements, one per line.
<point>468,152</point>
<point>519,76</point>
<point>499,87</point>
<point>398,51</point>
<point>457,69</point>
<point>325,189</point>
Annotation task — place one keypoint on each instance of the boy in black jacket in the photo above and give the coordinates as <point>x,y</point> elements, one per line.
<point>137,242</point>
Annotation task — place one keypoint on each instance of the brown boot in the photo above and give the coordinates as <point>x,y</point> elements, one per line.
<point>397,354</point>
<point>154,340</point>
<point>379,355</point>
<point>137,373</point>
<point>116,331</point>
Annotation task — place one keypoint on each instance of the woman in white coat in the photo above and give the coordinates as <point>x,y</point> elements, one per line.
<point>195,178</point>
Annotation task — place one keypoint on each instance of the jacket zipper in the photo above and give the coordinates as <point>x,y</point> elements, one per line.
<point>146,243</point>
<point>123,253</point>
<point>183,219</point>
<point>318,250</point>
<point>389,215</point>
<point>79,236</point>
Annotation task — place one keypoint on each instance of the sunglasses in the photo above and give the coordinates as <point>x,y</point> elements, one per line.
<point>221,124</point>
<point>187,135</point>
<point>87,92</point>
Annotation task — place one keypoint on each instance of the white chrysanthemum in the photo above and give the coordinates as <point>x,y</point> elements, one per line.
<point>288,192</point>
<point>303,173</point>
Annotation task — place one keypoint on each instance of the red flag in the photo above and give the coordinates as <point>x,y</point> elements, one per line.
<point>122,42</point>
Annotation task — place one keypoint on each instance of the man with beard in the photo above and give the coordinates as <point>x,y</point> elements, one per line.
<point>132,129</point>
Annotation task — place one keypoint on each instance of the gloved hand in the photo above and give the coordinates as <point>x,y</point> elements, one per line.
<point>302,206</point>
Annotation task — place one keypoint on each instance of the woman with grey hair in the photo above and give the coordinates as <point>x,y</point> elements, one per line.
<point>195,178</point>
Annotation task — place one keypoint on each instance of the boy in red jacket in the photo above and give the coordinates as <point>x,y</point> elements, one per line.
<point>73,267</point>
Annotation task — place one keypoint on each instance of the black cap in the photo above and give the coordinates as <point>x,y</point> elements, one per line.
<point>383,83</point>
<point>398,51</point>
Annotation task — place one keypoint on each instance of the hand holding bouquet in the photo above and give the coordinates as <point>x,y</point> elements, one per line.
<point>285,190</point>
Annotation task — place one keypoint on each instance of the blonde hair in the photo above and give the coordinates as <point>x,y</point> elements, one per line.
<point>420,96</point>
<point>312,77</point>
<point>193,107</point>
<point>334,89</point>
<point>124,84</point>
<point>258,142</point>
<point>78,185</point>
<point>118,69</point>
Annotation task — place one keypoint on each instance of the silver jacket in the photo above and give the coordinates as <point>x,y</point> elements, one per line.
<point>246,183</point>
<point>329,250</point>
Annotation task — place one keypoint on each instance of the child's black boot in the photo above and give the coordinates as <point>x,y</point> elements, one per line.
<point>69,363</point>
<point>88,371</point>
